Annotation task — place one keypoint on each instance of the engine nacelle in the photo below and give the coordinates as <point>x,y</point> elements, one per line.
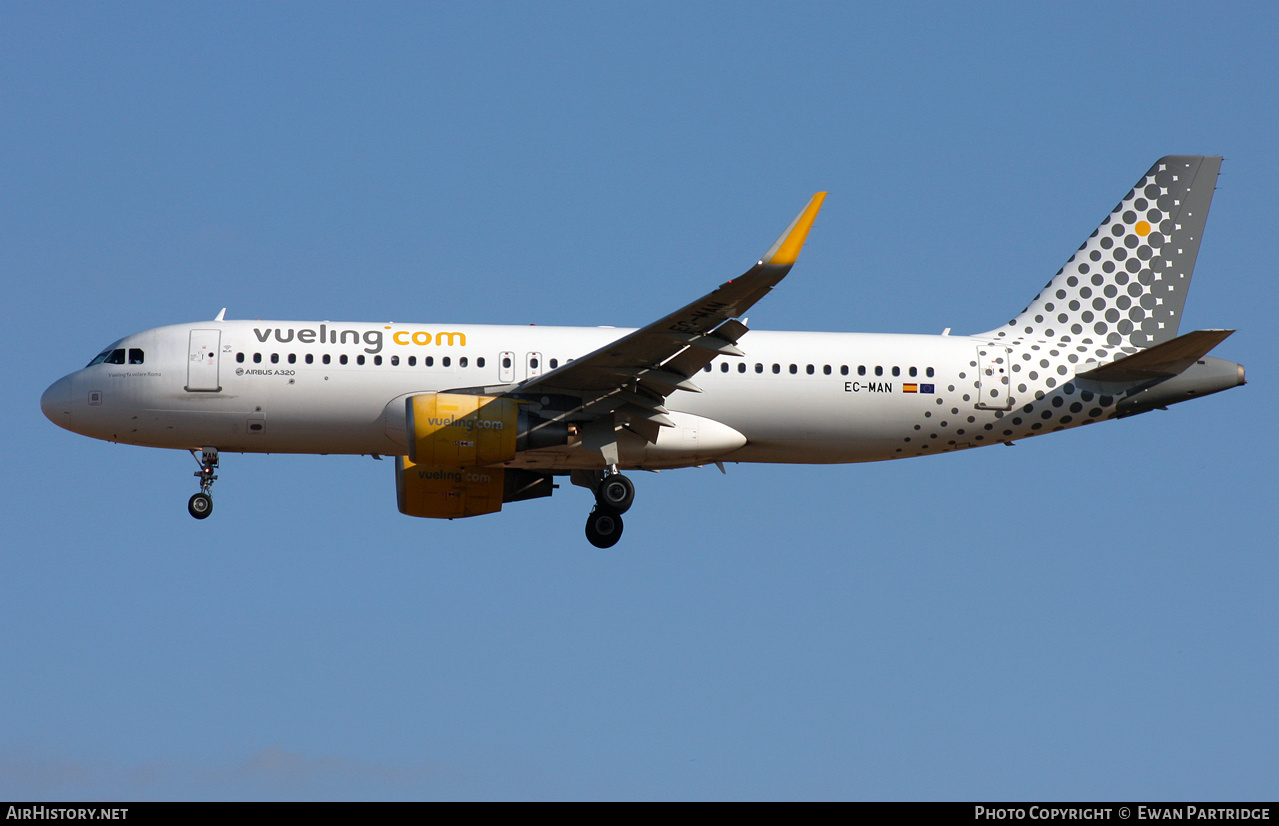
<point>443,492</point>
<point>454,440</point>
<point>461,431</point>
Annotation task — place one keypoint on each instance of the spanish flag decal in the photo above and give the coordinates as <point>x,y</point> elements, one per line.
<point>911,387</point>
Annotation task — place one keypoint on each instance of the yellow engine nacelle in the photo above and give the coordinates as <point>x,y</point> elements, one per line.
<point>443,492</point>
<point>454,440</point>
<point>461,431</point>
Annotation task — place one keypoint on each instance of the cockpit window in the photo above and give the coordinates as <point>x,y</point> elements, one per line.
<point>135,356</point>
<point>114,354</point>
<point>109,356</point>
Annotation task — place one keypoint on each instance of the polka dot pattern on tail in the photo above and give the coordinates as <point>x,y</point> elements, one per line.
<point>1127,284</point>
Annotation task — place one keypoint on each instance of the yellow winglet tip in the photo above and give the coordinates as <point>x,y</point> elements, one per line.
<point>786,249</point>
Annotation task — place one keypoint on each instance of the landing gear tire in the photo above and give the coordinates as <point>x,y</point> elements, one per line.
<point>616,493</point>
<point>200,505</point>
<point>603,528</point>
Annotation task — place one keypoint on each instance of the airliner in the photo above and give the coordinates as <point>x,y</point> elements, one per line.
<point>477,416</point>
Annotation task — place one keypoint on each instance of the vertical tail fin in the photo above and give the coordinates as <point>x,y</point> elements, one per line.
<point>1127,284</point>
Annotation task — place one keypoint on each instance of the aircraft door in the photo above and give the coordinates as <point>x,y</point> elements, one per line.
<point>506,367</point>
<point>994,377</point>
<point>202,361</point>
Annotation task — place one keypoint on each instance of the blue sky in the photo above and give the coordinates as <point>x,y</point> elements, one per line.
<point>1089,615</point>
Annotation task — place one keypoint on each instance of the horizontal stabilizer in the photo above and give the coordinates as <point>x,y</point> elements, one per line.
<point>1170,358</point>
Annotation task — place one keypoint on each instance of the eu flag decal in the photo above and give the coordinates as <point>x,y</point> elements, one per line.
<point>911,387</point>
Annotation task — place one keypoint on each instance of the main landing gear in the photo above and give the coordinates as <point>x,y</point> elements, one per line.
<point>614,496</point>
<point>200,505</point>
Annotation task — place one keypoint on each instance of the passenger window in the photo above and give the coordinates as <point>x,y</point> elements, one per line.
<point>310,359</point>
<point>809,369</point>
<point>395,361</point>
<point>327,358</point>
<point>506,364</point>
<point>777,368</point>
<point>707,368</point>
<point>913,372</point>
<point>759,368</point>
<point>429,361</point>
<point>723,367</point>
<point>446,361</point>
<point>843,369</point>
<point>826,369</point>
<point>342,359</point>
<point>879,371</point>
<point>462,362</point>
<point>377,360</point>
<point>861,369</point>
<point>239,358</point>
<point>257,358</point>
<point>479,362</point>
<point>412,361</point>
<point>293,359</point>
<point>929,372</point>
<point>741,367</point>
<point>793,369</point>
<point>897,371</point>
<point>359,360</point>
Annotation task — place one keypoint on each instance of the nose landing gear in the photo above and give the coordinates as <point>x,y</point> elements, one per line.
<point>614,496</point>
<point>200,505</point>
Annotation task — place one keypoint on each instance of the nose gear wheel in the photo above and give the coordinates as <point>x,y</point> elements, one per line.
<point>200,505</point>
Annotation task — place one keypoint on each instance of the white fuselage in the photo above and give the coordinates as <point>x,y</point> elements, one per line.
<point>479,416</point>
<point>336,387</point>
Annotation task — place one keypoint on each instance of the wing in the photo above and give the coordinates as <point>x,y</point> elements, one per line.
<point>624,383</point>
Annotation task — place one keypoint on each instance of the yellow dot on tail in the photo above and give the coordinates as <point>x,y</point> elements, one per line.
<point>1142,228</point>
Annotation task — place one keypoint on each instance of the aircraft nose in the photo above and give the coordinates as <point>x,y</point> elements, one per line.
<point>56,402</point>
